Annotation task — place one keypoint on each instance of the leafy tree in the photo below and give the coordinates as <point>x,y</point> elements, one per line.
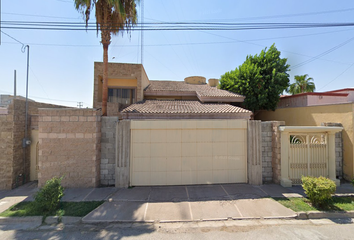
<point>303,84</point>
<point>261,79</point>
<point>111,17</point>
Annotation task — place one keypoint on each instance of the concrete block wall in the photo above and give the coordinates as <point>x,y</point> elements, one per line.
<point>271,151</point>
<point>276,150</point>
<point>108,150</point>
<point>267,172</point>
<point>69,146</point>
<point>339,149</point>
<point>14,171</point>
<point>6,150</point>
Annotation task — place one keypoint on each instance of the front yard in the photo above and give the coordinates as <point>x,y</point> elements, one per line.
<point>304,205</point>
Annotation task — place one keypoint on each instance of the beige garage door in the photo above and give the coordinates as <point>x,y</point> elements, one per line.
<point>178,152</point>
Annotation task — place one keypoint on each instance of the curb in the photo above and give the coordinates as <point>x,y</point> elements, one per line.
<point>9,220</point>
<point>318,214</point>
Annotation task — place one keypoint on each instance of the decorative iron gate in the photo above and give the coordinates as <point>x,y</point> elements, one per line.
<point>308,156</point>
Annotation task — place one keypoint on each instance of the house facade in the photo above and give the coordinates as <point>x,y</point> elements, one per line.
<point>332,108</point>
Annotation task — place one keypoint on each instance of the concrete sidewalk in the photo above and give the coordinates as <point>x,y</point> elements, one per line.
<point>176,203</point>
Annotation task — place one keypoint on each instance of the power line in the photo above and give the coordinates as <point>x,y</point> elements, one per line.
<point>171,26</point>
<point>323,54</point>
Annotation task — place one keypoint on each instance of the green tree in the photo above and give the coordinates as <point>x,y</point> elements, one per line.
<point>112,16</point>
<point>302,84</point>
<point>261,79</point>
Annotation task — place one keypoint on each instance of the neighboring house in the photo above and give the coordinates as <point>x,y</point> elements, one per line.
<point>330,108</point>
<point>131,95</point>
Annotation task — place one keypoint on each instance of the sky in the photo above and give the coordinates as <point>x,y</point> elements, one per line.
<point>61,62</point>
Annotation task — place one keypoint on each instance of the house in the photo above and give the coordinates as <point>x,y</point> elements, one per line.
<point>131,95</point>
<point>332,108</point>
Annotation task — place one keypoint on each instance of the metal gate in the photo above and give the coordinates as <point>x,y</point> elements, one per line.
<point>308,156</point>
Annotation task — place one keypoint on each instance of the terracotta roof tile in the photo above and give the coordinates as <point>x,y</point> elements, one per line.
<point>180,86</point>
<point>182,107</point>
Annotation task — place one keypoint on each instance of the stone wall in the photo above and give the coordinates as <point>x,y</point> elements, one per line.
<point>108,150</point>
<point>339,149</point>
<point>271,151</point>
<point>267,172</point>
<point>69,146</point>
<point>14,159</point>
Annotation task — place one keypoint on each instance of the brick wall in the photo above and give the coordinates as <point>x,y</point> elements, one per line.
<point>108,150</point>
<point>69,146</point>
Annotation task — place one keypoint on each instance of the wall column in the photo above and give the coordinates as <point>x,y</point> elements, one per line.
<point>254,152</point>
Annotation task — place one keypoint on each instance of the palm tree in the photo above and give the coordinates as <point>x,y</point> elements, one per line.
<point>302,84</point>
<point>112,16</point>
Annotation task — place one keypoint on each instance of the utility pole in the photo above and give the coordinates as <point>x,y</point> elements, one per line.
<point>79,104</point>
<point>14,84</point>
<point>142,32</point>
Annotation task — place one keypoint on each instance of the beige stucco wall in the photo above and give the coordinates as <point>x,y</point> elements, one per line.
<point>314,116</point>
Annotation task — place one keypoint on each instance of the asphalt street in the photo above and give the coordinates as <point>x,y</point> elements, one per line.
<point>243,229</point>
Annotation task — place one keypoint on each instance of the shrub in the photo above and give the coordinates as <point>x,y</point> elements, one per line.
<point>48,197</point>
<point>319,190</point>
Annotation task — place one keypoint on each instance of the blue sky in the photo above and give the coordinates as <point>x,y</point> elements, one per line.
<point>61,62</point>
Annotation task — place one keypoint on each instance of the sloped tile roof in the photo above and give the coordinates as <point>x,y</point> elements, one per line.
<point>182,107</point>
<point>180,86</point>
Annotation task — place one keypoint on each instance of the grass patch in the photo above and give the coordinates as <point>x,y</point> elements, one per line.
<point>304,205</point>
<point>75,209</point>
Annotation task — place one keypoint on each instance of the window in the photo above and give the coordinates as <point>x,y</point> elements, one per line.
<point>121,95</point>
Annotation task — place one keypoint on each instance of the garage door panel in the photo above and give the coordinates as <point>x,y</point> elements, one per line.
<point>189,163</point>
<point>173,164</point>
<point>174,149</point>
<point>158,136</point>
<point>236,148</point>
<point>142,164</point>
<point>158,178</point>
<point>237,176</point>
<point>158,150</point>
<point>220,163</point>
<point>204,177</point>
<point>236,162</point>
<point>204,152</point>
<point>189,135</point>
<point>173,136</point>
<point>219,148</point>
<point>141,149</point>
<point>204,149</point>
<point>220,135</point>
<point>204,163</point>
<point>189,177</point>
<point>204,135</point>
<point>141,136</point>
<point>236,135</point>
<point>141,179</point>
<point>220,176</point>
<point>189,149</point>
<point>158,164</point>
<point>174,178</point>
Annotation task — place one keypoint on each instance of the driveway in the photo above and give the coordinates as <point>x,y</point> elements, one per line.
<point>193,203</point>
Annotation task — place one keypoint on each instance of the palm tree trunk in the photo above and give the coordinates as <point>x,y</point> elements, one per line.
<point>105,79</point>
